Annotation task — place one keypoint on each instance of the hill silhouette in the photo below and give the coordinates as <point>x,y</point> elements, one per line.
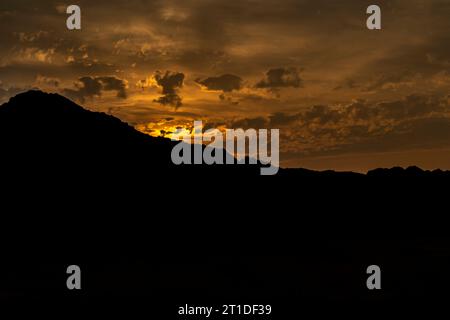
<point>50,145</point>
<point>39,129</point>
<point>70,175</point>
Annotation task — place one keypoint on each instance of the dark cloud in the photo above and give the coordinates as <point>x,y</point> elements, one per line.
<point>170,100</point>
<point>229,99</point>
<point>224,83</point>
<point>114,84</point>
<point>281,78</point>
<point>170,82</point>
<point>89,87</point>
<point>282,119</point>
<point>412,134</point>
<point>417,121</point>
<point>246,123</point>
<point>322,114</point>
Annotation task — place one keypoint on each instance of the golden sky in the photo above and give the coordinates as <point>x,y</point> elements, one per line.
<point>344,97</point>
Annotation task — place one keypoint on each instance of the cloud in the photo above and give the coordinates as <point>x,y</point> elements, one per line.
<point>114,84</point>
<point>224,83</point>
<point>279,119</point>
<point>416,121</point>
<point>47,81</point>
<point>170,82</point>
<point>219,38</point>
<point>347,84</point>
<point>170,100</point>
<point>383,126</point>
<point>89,87</point>
<point>254,123</point>
<point>32,36</point>
<point>34,55</point>
<point>281,78</point>
<point>393,81</point>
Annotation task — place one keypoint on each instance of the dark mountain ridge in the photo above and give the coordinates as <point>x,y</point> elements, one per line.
<point>90,179</point>
<point>49,129</point>
<point>39,129</point>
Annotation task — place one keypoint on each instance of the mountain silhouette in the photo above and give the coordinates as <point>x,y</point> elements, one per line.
<point>40,130</point>
<point>88,178</point>
<point>49,141</point>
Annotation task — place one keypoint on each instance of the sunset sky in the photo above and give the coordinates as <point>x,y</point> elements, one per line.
<point>344,97</point>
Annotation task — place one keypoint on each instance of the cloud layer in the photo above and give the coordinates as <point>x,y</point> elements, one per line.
<point>310,67</point>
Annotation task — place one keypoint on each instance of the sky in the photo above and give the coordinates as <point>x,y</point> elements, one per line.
<point>343,97</point>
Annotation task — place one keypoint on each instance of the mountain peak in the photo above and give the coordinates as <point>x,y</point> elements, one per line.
<point>51,125</point>
<point>34,93</point>
<point>28,101</point>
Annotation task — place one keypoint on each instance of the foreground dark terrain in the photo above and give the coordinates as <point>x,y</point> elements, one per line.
<point>85,188</point>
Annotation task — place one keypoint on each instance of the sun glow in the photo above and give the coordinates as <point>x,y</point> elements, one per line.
<point>165,128</point>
